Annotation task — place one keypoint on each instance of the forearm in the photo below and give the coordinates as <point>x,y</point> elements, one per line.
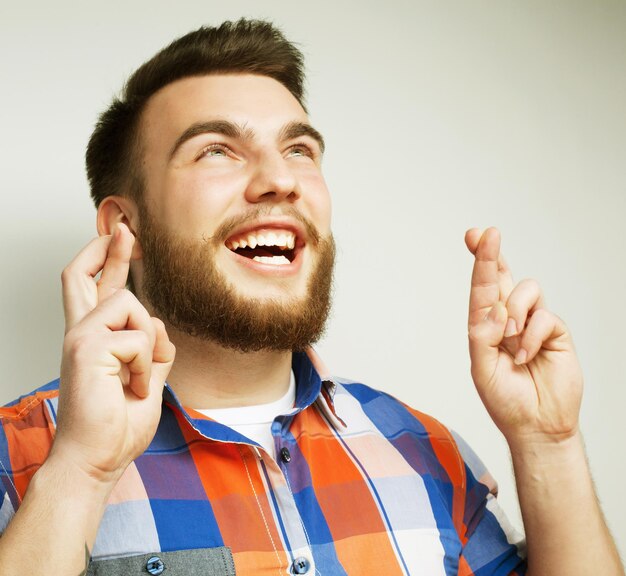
<point>565,529</point>
<point>55,526</point>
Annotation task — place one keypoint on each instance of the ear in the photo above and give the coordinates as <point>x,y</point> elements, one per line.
<point>115,209</point>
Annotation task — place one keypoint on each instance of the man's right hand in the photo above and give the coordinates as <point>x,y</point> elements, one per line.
<point>115,361</point>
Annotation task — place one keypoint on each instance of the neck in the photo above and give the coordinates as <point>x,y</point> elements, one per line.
<point>206,375</point>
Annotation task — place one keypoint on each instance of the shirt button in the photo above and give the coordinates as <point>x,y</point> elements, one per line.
<point>155,566</point>
<point>300,565</point>
<point>286,457</point>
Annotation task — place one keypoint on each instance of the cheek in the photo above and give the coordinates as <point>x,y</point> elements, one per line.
<point>319,202</point>
<point>195,205</point>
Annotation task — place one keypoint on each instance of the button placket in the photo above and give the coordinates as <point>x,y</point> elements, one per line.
<point>287,503</point>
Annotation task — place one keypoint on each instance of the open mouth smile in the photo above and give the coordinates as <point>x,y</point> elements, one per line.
<point>271,246</point>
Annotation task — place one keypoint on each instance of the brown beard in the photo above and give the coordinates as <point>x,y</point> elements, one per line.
<point>188,292</point>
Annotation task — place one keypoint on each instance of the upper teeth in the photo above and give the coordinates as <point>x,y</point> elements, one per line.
<point>281,238</point>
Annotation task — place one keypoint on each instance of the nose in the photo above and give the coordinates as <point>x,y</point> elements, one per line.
<point>272,180</point>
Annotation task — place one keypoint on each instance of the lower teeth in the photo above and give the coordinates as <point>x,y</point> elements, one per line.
<point>277,260</point>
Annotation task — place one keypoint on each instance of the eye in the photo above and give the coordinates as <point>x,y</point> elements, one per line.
<point>213,150</point>
<point>300,150</point>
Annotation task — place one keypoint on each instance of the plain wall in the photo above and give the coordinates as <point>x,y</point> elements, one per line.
<point>438,116</point>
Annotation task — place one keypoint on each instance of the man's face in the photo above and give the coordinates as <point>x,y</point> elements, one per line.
<point>235,218</point>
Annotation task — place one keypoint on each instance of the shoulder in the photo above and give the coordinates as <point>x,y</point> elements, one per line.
<point>410,427</point>
<point>27,405</point>
<point>421,438</point>
<point>26,432</point>
<point>27,429</point>
<point>387,412</point>
<point>27,424</point>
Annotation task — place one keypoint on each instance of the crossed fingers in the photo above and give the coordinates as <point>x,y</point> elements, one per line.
<point>502,314</point>
<point>491,277</point>
<point>103,317</point>
<point>109,255</point>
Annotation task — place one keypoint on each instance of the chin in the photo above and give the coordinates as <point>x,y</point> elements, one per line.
<point>264,291</point>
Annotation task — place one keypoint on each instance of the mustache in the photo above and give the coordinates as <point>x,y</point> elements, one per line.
<point>226,228</point>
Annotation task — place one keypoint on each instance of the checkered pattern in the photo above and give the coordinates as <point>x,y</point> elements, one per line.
<point>372,487</point>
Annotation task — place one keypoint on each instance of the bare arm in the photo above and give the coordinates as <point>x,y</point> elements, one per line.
<point>115,361</point>
<point>566,531</point>
<point>526,371</point>
<point>55,526</point>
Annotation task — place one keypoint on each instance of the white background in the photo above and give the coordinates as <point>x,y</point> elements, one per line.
<point>438,116</point>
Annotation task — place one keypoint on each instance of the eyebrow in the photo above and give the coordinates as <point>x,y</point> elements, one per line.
<point>296,129</point>
<point>235,131</point>
<point>224,127</point>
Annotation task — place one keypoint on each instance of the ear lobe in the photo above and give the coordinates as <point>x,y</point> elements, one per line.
<point>115,209</point>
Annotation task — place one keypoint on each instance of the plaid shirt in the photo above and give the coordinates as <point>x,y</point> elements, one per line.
<point>363,485</point>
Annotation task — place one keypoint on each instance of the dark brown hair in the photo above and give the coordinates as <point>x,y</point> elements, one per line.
<point>245,46</point>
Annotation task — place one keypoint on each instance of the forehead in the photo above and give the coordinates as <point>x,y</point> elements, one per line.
<point>259,102</point>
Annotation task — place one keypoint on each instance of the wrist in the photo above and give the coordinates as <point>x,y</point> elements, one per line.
<point>549,453</point>
<point>541,444</point>
<point>62,473</point>
<point>97,465</point>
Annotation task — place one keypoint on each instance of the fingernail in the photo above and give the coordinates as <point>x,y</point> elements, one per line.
<point>520,357</point>
<point>511,328</point>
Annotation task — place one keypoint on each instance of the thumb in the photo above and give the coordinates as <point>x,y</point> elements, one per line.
<point>484,341</point>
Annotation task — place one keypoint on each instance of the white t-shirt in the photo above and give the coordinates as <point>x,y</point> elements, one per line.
<point>255,422</point>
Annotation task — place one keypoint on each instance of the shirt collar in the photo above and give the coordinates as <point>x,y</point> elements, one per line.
<point>312,386</point>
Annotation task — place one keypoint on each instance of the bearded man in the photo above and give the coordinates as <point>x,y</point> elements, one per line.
<point>252,459</point>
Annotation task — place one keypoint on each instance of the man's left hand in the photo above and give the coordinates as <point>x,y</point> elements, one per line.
<point>524,364</point>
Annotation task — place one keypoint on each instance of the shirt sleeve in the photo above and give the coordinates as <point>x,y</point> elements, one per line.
<point>26,433</point>
<point>493,547</point>
<point>7,488</point>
